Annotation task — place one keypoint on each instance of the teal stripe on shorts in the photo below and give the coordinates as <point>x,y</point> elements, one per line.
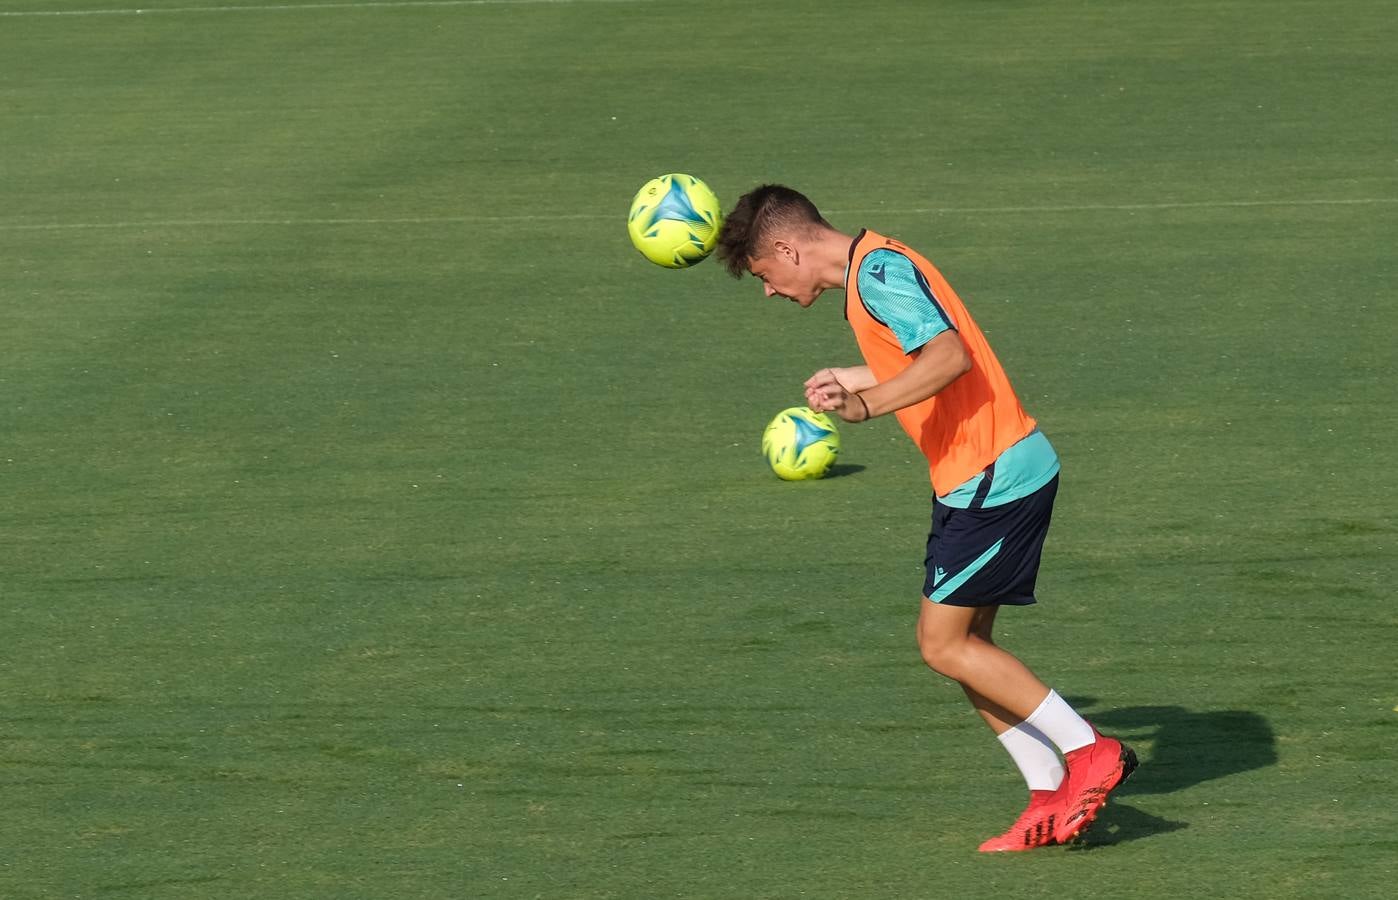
<point>945,588</point>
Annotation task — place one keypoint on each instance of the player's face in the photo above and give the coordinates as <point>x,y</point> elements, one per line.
<point>782,276</point>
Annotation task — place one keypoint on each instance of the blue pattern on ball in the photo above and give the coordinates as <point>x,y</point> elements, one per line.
<point>675,206</point>
<point>807,433</point>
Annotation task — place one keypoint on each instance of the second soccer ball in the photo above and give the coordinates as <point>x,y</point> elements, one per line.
<point>800,444</point>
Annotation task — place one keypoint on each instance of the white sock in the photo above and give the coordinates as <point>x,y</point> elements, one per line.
<point>1060,724</point>
<point>1034,754</point>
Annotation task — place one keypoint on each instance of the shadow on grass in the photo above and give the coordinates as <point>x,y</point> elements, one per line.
<point>1119,823</point>
<point>1189,747</point>
<point>840,470</point>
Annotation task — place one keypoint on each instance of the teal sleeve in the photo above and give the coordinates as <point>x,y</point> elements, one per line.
<point>896,294</point>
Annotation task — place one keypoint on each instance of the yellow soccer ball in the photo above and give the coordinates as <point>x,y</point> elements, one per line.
<point>674,220</point>
<point>801,443</point>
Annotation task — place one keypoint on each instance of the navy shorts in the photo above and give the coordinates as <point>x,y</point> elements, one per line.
<point>988,556</point>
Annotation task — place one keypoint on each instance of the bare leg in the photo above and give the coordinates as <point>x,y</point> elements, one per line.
<point>955,641</point>
<point>997,717</point>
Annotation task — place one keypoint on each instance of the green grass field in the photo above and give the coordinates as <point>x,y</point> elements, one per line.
<point>376,523</point>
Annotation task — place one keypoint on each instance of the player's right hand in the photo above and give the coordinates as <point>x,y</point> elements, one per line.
<point>824,392</point>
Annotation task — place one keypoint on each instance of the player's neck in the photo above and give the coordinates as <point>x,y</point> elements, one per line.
<point>830,254</point>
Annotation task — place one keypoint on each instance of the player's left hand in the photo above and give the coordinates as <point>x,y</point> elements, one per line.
<point>848,406</point>
<point>828,391</point>
<point>825,396</point>
<point>824,392</point>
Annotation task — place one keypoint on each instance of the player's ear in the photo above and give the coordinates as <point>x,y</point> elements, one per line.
<point>785,250</point>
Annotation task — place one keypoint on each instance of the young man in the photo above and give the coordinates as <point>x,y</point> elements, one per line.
<point>994,477</point>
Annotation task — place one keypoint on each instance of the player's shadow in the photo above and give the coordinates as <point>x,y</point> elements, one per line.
<point>1188,747</point>
<point>839,470</point>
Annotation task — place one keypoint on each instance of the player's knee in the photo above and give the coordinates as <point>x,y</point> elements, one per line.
<point>939,660</point>
<point>941,655</point>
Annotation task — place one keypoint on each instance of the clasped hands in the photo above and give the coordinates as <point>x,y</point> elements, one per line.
<point>837,390</point>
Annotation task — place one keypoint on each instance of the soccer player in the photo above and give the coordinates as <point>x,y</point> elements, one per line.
<point>994,477</point>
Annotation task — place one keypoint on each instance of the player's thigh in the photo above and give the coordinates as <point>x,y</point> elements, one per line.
<point>983,622</point>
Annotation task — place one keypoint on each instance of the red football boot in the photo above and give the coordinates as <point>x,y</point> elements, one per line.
<point>1034,827</point>
<point>1094,772</point>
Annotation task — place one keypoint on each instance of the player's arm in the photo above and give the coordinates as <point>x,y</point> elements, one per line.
<point>899,297</point>
<point>937,364</point>
<point>941,361</point>
<point>853,379</point>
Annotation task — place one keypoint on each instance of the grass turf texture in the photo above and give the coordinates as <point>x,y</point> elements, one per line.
<point>378,523</point>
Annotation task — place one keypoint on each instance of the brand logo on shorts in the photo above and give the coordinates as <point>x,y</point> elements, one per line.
<point>938,575</point>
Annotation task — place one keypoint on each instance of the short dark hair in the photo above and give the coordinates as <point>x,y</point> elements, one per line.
<point>757,214</point>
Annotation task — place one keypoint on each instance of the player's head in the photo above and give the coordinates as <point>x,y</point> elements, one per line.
<point>769,233</point>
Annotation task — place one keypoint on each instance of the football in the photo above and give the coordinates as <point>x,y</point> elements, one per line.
<point>674,220</point>
<point>800,444</point>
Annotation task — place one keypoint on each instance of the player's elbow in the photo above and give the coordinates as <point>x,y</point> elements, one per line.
<point>964,364</point>
<point>958,360</point>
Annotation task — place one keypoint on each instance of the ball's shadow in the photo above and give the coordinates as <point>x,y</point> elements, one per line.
<point>840,470</point>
